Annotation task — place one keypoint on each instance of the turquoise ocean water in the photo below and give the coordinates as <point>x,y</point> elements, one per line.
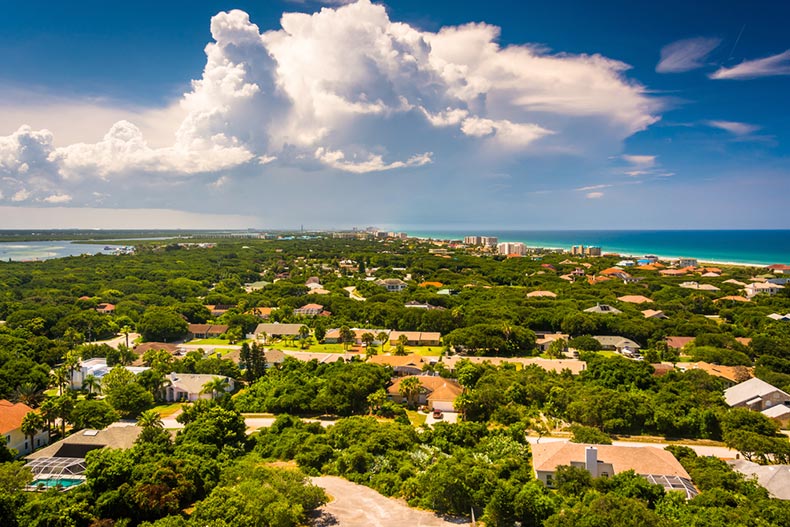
<point>736,246</point>
<point>28,251</point>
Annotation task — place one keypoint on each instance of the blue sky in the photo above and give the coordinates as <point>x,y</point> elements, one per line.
<point>406,114</point>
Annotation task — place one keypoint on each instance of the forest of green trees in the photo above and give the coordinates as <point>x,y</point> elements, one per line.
<point>211,473</point>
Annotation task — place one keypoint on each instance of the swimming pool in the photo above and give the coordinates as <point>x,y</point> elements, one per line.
<point>55,482</point>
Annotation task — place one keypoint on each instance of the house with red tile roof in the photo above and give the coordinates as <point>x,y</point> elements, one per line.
<point>436,392</point>
<point>11,416</point>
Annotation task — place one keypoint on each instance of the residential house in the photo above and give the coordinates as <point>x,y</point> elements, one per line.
<point>678,342</point>
<point>614,272</point>
<point>656,465</point>
<point>63,462</point>
<point>275,330</point>
<point>684,262</point>
<point>732,298</point>
<point>191,386</point>
<point>779,268</point>
<point>766,288</point>
<point>420,305</point>
<point>437,393</point>
<point>755,394</point>
<point>219,309</point>
<point>105,308</point>
<point>777,316</point>
<point>206,331</point>
<point>401,365</point>
<point>541,294</point>
<point>310,310</point>
<point>393,285</point>
<point>773,478</point>
<point>698,286</point>
<point>11,416</point>
<point>417,338</point>
<point>635,299</point>
<point>673,272</point>
<point>574,366</point>
<point>779,413</point>
<point>432,284</point>
<point>653,313</point>
<point>261,312</point>
<point>98,368</point>
<point>618,344</point>
<point>333,336</point>
<point>603,309</point>
<point>733,374</point>
<point>544,340</point>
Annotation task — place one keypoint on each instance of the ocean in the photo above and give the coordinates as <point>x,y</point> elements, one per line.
<point>757,247</point>
<point>46,250</point>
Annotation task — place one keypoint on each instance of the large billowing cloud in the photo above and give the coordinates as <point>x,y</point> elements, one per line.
<point>346,89</point>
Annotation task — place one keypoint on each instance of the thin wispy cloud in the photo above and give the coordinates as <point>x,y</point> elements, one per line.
<point>594,195</point>
<point>752,69</point>
<point>734,127</point>
<point>686,55</point>
<point>644,161</point>
<point>592,187</point>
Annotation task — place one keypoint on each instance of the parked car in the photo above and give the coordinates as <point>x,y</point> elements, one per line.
<point>437,414</point>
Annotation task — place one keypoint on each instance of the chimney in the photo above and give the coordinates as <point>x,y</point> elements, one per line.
<point>591,460</point>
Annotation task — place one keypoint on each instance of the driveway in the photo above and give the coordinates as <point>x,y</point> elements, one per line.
<point>353,505</point>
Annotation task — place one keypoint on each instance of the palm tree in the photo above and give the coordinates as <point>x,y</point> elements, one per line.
<point>410,390</point>
<point>60,379</point>
<point>376,400</point>
<point>304,333</point>
<point>28,393</point>
<point>382,338</point>
<point>90,383</point>
<point>400,347</point>
<point>32,422</point>
<point>215,386</point>
<point>150,419</point>
<point>125,330</point>
<point>49,412</point>
<point>346,336</point>
<point>368,339</point>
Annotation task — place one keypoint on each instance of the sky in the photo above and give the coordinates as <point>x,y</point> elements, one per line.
<point>403,115</point>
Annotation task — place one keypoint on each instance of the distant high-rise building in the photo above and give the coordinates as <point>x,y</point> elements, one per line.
<point>472,240</point>
<point>512,248</point>
<point>489,241</point>
<point>593,251</point>
<point>577,250</point>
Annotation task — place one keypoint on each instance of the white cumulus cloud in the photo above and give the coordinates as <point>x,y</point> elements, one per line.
<point>340,86</point>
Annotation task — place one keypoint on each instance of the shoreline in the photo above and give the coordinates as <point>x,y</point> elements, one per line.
<point>621,254</point>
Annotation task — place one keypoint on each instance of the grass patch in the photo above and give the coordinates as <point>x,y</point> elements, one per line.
<point>416,418</point>
<point>166,410</point>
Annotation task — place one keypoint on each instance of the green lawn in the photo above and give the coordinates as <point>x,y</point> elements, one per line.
<point>417,419</point>
<point>166,410</point>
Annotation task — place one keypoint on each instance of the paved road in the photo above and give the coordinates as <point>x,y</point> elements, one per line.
<point>355,505</point>
<point>116,341</point>
<point>717,451</point>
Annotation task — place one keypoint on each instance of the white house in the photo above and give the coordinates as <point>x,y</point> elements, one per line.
<point>755,394</point>
<point>98,368</point>
<point>766,288</point>
<point>393,285</point>
<point>191,386</point>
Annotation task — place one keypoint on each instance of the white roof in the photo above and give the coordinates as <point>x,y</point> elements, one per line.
<point>748,390</point>
<point>777,411</point>
<point>775,478</point>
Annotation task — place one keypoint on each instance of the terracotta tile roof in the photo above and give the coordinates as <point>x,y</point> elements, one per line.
<point>734,298</point>
<point>398,361</point>
<point>11,415</point>
<point>431,284</point>
<point>439,388</point>
<point>642,460</point>
<point>634,299</point>
<point>549,294</point>
<point>614,271</point>
<point>731,373</point>
<point>678,342</point>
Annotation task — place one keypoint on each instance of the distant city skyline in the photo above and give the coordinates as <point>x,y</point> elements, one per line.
<point>407,115</point>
